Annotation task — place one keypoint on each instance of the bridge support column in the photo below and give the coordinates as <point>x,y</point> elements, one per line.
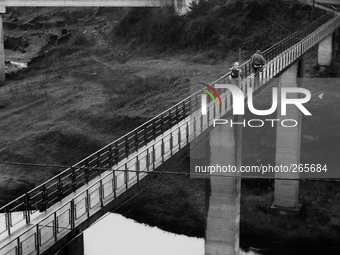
<point>325,51</point>
<point>2,50</point>
<point>223,193</point>
<point>288,141</point>
<point>182,6</point>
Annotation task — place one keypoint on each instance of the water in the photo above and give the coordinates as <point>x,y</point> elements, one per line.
<point>115,234</point>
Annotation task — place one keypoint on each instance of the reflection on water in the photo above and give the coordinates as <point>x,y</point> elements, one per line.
<point>119,235</point>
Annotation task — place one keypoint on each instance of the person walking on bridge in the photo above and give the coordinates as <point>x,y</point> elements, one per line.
<point>235,74</point>
<point>257,62</point>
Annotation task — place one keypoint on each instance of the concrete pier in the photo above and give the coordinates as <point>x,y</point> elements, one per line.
<point>182,6</point>
<point>223,193</point>
<point>288,141</point>
<point>325,51</point>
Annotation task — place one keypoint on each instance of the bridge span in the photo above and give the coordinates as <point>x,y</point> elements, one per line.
<point>47,218</point>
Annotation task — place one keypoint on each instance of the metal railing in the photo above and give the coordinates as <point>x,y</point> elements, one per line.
<point>141,150</point>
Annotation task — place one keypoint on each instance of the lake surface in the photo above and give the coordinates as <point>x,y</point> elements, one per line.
<point>115,234</point>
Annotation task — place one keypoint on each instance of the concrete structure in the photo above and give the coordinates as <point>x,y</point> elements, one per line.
<point>325,51</point>
<point>224,193</point>
<point>288,143</point>
<point>182,6</point>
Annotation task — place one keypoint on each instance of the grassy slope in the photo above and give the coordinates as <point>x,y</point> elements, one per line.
<point>83,95</point>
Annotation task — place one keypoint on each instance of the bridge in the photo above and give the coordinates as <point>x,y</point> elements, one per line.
<point>49,217</point>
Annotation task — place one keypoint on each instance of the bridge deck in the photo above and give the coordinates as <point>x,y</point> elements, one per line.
<point>111,184</point>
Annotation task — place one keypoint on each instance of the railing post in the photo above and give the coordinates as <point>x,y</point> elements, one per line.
<point>147,159</point>
<point>74,179</point>
<point>179,138</point>
<point>189,110</point>
<point>208,116</point>
<point>101,193</point>
<point>154,130</point>
<point>196,102</point>
<point>136,140</point>
<point>214,112</point>
<point>8,220</point>
<point>110,156</point>
<point>126,176</point>
<point>194,127</point>
<point>116,153</point>
<point>126,147</point>
<point>162,149</point>
<point>145,136</point>
<point>114,184</point>
<point>87,171</point>
<point>201,121</point>
<point>44,198</point>
<point>170,117</point>
<point>87,203</point>
<point>19,246</point>
<point>153,156</point>
<point>37,247</point>
<point>27,208</point>
<point>60,188</point>
<point>72,215</point>
<point>55,226</point>
<point>187,132</point>
<point>171,143</point>
<point>221,99</point>
<point>137,168</point>
<point>98,164</point>
<point>183,110</point>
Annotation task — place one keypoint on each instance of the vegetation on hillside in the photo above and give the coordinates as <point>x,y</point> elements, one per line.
<point>225,25</point>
